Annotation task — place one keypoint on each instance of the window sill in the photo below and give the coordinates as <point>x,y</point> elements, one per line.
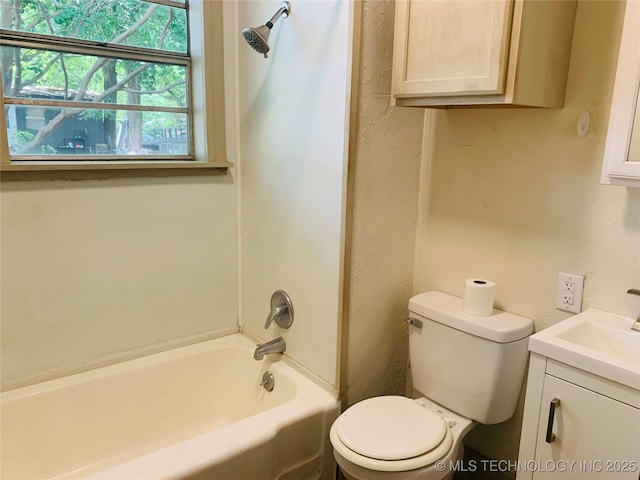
<point>92,170</point>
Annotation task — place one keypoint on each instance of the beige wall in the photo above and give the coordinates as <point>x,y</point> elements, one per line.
<point>292,124</point>
<point>515,197</point>
<point>93,271</point>
<point>97,269</point>
<point>385,199</point>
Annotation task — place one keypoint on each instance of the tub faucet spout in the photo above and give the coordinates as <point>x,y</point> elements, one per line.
<point>277,345</point>
<point>634,308</point>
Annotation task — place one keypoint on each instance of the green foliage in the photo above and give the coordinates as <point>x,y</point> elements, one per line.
<point>54,75</point>
<point>105,20</point>
<point>102,115</point>
<point>23,137</point>
<point>47,150</point>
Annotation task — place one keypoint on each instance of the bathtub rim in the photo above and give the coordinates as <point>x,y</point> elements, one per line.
<point>112,359</point>
<point>151,350</point>
<point>314,399</point>
<point>234,339</point>
<point>195,453</point>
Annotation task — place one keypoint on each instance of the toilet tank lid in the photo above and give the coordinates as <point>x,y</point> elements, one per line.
<point>501,327</point>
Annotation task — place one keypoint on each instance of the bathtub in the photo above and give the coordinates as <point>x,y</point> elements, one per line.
<point>188,413</point>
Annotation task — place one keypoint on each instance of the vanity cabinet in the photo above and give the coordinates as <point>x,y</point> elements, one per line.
<point>481,52</point>
<point>578,425</point>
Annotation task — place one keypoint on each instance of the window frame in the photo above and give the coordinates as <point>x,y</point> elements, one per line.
<point>207,120</point>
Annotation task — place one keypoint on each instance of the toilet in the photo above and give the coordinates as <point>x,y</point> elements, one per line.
<point>469,370</point>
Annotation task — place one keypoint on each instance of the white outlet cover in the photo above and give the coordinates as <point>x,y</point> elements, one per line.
<point>577,281</point>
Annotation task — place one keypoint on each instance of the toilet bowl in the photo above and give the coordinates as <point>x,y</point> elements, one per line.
<point>469,370</point>
<point>397,438</point>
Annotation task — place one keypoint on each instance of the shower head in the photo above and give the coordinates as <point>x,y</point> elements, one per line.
<point>258,37</point>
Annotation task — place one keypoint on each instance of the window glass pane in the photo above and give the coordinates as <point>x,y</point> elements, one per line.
<point>49,75</point>
<point>129,22</point>
<point>36,130</point>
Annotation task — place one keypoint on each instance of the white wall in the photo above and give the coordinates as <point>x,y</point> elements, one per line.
<point>97,269</point>
<point>515,197</point>
<point>292,127</point>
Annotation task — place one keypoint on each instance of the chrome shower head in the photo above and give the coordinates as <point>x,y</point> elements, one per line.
<point>258,37</point>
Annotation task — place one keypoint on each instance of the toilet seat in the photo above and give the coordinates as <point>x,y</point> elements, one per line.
<point>390,434</point>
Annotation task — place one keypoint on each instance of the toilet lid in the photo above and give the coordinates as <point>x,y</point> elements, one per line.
<point>390,428</point>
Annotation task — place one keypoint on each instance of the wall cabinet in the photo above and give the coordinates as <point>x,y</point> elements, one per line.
<point>578,426</point>
<point>481,52</point>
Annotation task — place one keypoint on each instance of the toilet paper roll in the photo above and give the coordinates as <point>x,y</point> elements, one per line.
<point>478,297</point>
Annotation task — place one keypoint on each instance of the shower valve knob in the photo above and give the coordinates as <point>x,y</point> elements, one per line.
<point>281,310</point>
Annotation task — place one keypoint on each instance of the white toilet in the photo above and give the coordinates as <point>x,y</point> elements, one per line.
<point>469,369</point>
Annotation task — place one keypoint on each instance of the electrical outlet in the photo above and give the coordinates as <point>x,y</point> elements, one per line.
<point>569,292</point>
<point>567,298</point>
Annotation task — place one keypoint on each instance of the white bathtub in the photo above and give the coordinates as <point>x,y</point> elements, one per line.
<point>193,412</point>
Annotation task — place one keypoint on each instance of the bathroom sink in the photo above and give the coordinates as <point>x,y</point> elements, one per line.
<point>616,343</point>
<point>594,341</point>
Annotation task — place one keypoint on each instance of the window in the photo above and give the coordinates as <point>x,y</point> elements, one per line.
<point>111,82</point>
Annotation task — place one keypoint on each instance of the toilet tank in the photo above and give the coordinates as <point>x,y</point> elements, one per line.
<point>472,365</point>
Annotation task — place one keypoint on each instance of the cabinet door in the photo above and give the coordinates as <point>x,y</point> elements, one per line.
<point>451,47</point>
<point>600,434</point>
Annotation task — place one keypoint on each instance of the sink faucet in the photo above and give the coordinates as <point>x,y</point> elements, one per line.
<point>277,345</point>
<point>634,309</point>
